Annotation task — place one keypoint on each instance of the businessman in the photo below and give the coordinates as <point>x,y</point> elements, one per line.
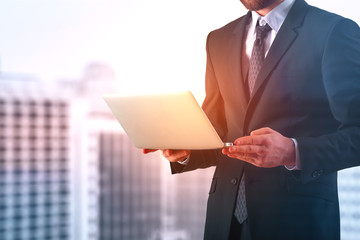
<point>283,84</point>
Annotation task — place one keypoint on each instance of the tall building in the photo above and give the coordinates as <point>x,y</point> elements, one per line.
<point>121,187</point>
<point>349,196</point>
<point>130,190</point>
<point>34,163</point>
<point>90,118</point>
<point>191,193</point>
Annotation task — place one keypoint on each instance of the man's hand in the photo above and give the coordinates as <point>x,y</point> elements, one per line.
<point>263,148</point>
<point>171,155</point>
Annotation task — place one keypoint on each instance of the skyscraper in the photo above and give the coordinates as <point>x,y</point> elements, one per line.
<point>34,170</point>
<point>130,190</point>
<point>349,196</point>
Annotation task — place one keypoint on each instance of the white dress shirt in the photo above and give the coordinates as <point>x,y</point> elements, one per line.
<point>274,19</point>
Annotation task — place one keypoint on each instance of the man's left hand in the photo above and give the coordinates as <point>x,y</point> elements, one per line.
<point>263,148</point>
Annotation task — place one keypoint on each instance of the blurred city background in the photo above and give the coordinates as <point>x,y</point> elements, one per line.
<point>67,170</point>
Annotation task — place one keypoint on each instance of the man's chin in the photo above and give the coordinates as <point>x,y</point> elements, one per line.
<point>256,5</point>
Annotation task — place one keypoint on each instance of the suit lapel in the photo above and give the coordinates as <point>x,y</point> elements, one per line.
<point>236,43</point>
<point>283,40</point>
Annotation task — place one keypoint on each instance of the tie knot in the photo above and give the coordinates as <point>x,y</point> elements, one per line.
<point>261,31</point>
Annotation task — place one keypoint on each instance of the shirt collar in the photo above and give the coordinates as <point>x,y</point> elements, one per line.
<point>275,18</point>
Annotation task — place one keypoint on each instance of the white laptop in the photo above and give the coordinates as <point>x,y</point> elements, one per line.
<point>164,121</point>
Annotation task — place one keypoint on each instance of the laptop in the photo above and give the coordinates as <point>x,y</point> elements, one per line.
<point>164,121</point>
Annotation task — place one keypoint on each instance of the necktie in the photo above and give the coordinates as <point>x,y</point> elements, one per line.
<point>257,55</point>
<point>240,209</point>
<point>256,60</point>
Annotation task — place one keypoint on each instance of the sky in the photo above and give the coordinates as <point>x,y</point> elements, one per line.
<point>151,45</point>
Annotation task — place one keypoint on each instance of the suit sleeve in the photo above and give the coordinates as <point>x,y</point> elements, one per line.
<point>341,78</point>
<point>213,106</point>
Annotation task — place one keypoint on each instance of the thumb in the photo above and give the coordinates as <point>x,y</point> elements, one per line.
<point>262,131</point>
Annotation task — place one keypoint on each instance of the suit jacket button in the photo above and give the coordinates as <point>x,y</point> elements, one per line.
<point>234,181</point>
<point>316,174</point>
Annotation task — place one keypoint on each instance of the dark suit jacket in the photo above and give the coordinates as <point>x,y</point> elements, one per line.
<point>308,89</point>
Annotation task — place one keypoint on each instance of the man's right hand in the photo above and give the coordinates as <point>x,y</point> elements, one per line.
<point>171,155</point>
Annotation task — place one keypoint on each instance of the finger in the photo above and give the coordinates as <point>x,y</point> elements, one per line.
<point>261,131</point>
<point>180,154</point>
<point>247,157</point>
<point>166,152</point>
<point>175,155</point>
<point>145,151</point>
<point>225,151</point>
<point>246,149</point>
<point>250,140</point>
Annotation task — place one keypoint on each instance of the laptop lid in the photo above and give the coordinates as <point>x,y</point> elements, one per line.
<point>164,121</point>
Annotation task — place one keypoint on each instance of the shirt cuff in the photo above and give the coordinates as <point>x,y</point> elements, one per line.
<point>297,165</point>
<point>185,162</point>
